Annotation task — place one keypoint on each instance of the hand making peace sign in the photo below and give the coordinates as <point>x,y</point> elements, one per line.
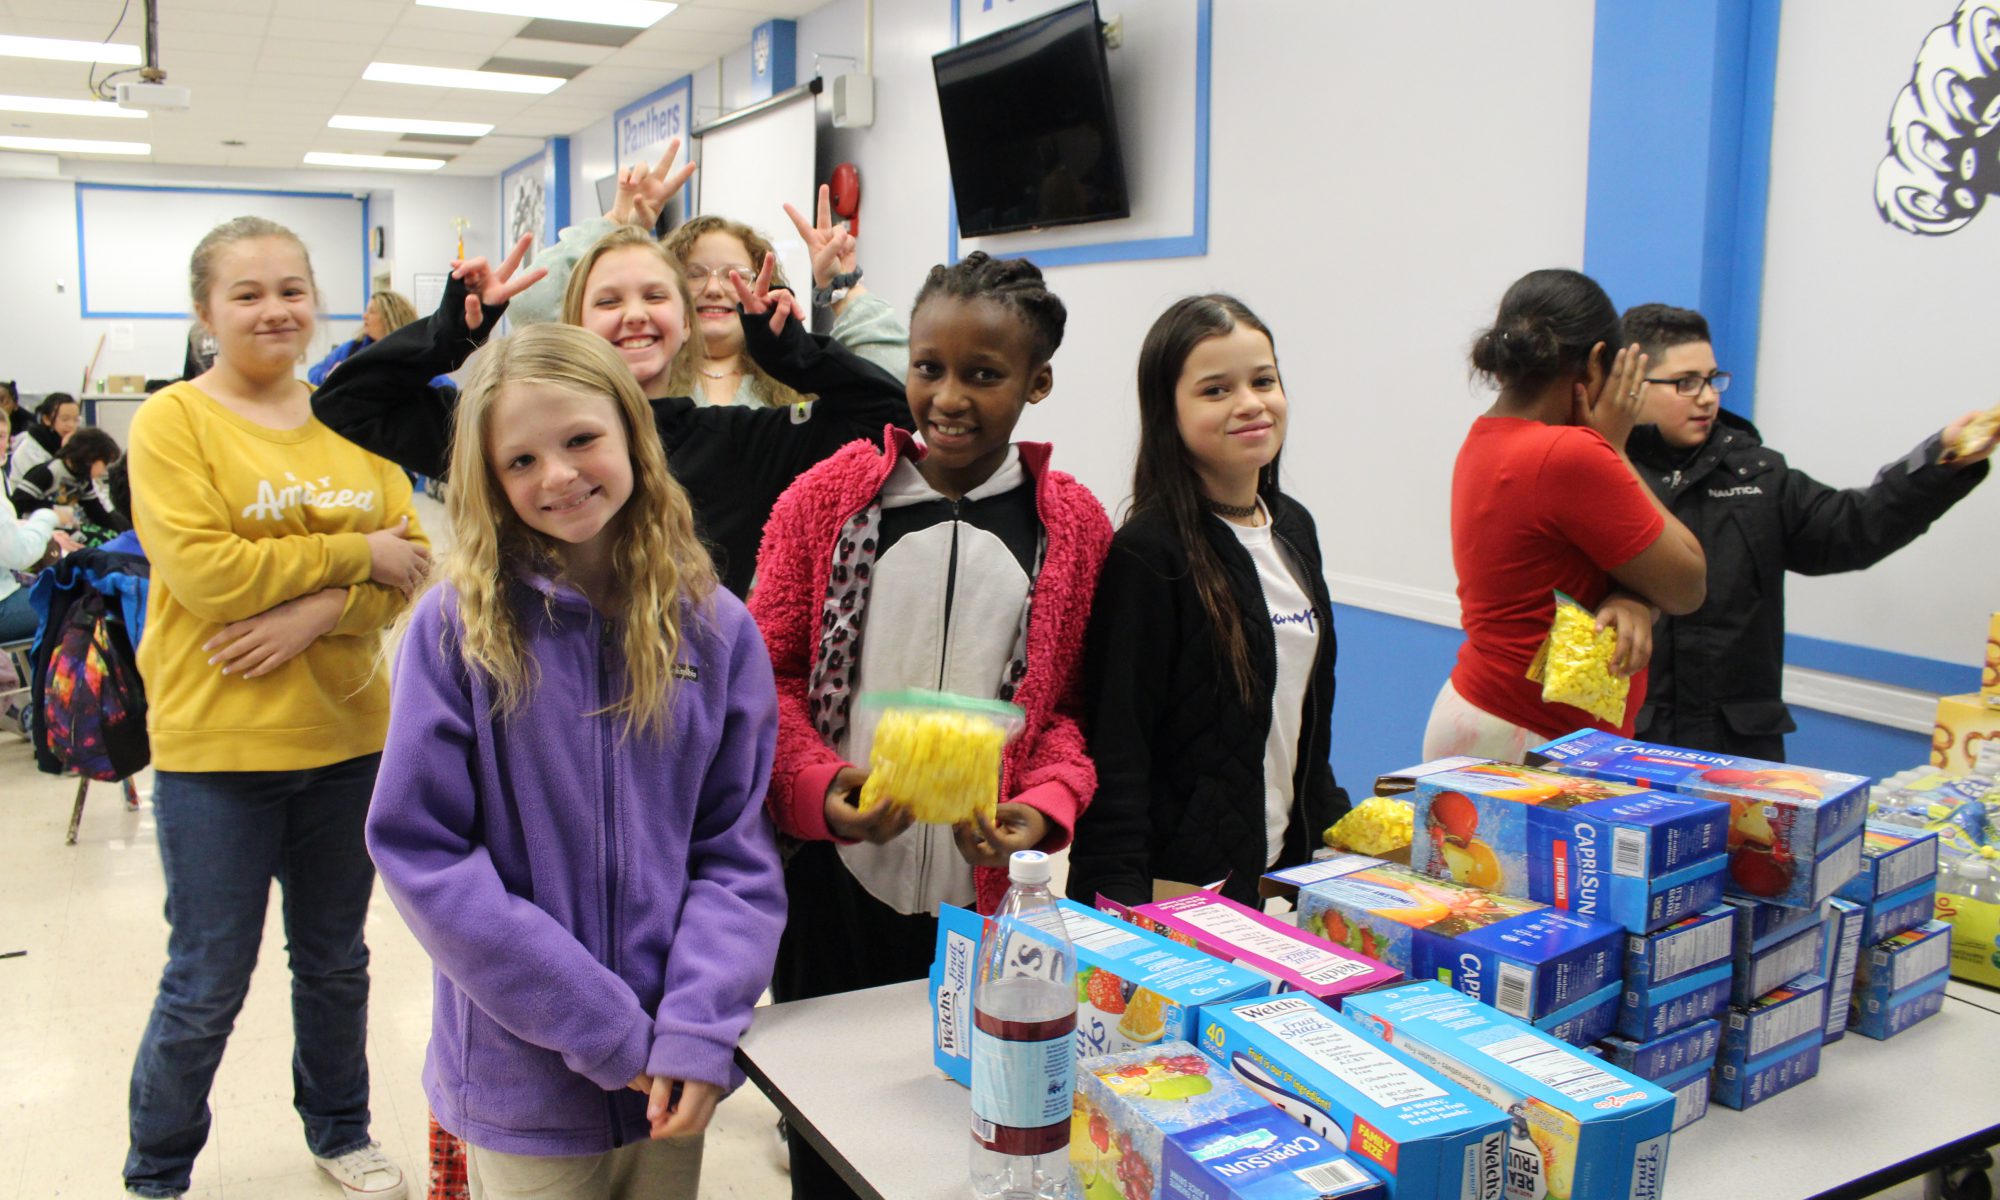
<point>643,191</point>
<point>487,288</point>
<point>763,300</point>
<point>832,245</point>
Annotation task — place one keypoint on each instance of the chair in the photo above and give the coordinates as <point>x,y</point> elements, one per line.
<point>16,699</point>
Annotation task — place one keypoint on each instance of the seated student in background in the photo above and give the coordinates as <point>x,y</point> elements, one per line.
<point>1716,672</point>
<point>707,248</point>
<point>965,564</point>
<point>570,812</point>
<point>386,313</point>
<point>24,545</point>
<point>1543,499</point>
<point>56,417</point>
<point>75,477</point>
<point>1211,632</point>
<point>18,418</point>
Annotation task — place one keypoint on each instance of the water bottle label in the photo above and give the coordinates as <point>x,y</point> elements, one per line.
<point>1019,1087</point>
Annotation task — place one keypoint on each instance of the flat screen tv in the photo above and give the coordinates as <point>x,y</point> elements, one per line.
<point>1029,127</point>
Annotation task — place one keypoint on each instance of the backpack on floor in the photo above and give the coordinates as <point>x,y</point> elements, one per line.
<point>93,705</point>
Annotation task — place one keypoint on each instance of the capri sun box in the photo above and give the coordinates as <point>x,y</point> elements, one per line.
<point>1582,1128</point>
<point>1421,1134</point>
<point>1525,958</point>
<point>1792,829</point>
<point>1638,858</point>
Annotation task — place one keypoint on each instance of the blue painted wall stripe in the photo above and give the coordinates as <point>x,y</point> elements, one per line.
<point>1881,666</point>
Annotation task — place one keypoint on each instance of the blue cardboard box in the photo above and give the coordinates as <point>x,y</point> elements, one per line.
<point>1760,1079</point>
<point>1789,1013</point>
<point>1688,945</point>
<point>1522,957</point>
<point>1760,926</point>
<point>1653,1010</point>
<point>1893,857</point>
<point>1589,1019</point>
<point>1260,1156</point>
<point>1583,1128</point>
<point>1128,1105</point>
<point>1690,1088</point>
<point>1782,955</point>
<point>1788,826</point>
<point>1891,966</point>
<point>1842,954</point>
<point>1671,1055</point>
<point>1132,959</point>
<point>1892,1015</point>
<point>1890,915</point>
<point>1638,858</point>
<point>1422,1133</point>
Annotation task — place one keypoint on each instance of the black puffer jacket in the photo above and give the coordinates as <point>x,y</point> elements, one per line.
<point>1180,757</point>
<point>1716,681</point>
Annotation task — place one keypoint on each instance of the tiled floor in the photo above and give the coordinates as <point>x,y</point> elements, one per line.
<point>72,1006</point>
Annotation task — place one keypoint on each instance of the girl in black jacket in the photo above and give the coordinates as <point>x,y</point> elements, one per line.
<point>1209,666</point>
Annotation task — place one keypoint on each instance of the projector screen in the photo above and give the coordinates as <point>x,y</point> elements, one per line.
<point>751,168</point>
<point>134,243</point>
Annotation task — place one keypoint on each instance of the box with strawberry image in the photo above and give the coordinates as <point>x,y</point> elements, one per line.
<point>1521,956</point>
<point>1792,830</point>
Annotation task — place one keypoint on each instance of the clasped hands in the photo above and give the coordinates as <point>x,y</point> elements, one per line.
<point>982,842</point>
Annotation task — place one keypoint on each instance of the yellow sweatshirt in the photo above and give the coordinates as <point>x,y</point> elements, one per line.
<point>237,519</point>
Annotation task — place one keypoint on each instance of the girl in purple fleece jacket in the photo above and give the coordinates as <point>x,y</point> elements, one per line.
<point>569,809</point>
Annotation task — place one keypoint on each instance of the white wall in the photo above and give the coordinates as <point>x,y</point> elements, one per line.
<point>47,343</point>
<point>1872,337</point>
<point>1374,186</point>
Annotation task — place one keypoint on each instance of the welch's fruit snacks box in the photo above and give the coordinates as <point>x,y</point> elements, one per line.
<point>1134,988</point>
<point>1259,1156</point>
<point>1523,957</point>
<point>1893,857</point>
<point>1789,827</point>
<point>1292,957</point>
<point>1582,1128</point>
<point>1421,1134</point>
<point>1638,858</point>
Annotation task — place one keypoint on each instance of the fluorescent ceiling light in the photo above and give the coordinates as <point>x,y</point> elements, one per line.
<point>69,50</point>
<point>73,146</point>
<point>383,162</point>
<point>485,81</point>
<point>636,14</point>
<point>409,125</point>
<point>66,108</point>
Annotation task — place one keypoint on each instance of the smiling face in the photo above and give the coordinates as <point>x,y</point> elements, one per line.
<point>632,300</point>
<point>562,460</point>
<point>1684,422</point>
<point>260,308</point>
<point>716,253</point>
<point>972,373</point>
<point>1231,408</point>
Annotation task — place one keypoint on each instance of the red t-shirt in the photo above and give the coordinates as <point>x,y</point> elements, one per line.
<point>1535,509</point>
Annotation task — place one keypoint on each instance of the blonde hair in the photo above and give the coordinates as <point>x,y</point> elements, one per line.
<point>201,265</point>
<point>658,561</point>
<point>394,308</point>
<point>680,244</point>
<point>627,237</point>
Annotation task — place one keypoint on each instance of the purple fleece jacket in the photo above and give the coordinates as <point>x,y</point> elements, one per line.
<point>595,906</point>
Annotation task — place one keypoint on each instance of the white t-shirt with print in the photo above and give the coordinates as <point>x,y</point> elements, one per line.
<point>1296,626</point>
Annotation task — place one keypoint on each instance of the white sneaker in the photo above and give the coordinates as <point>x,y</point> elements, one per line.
<point>365,1173</point>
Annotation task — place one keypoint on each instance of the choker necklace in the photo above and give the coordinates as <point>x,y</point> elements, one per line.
<point>718,374</point>
<point>1238,511</point>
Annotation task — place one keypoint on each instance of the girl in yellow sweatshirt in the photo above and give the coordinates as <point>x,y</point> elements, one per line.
<point>280,553</point>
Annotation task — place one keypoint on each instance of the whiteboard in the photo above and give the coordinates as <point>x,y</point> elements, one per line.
<point>752,168</point>
<point>133,244</point>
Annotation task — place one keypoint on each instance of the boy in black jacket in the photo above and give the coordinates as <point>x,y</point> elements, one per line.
<point>1716,673</point>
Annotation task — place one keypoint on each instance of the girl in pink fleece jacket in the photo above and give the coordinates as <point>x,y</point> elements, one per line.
<point>965,565</point>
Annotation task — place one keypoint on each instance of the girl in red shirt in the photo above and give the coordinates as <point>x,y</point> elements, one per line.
<point>1543,499</point>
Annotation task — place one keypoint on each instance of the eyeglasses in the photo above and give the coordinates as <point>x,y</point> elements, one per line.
<point>698,275</point>
<point>1691,385</point>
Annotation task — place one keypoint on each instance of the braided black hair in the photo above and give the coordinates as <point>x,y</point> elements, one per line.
<point>1014,282</point>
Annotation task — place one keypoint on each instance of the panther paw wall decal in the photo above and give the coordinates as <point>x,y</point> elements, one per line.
<point>1944,128</point>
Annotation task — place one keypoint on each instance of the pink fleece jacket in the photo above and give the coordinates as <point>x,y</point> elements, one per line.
<point>1048,767</point>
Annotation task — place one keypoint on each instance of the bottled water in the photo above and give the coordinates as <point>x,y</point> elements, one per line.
<point>1024,1043</point>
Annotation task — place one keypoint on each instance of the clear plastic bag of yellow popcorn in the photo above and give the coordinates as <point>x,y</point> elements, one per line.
<point>1574,664</point>
<point>935,753</point>
<point>1378,826</point>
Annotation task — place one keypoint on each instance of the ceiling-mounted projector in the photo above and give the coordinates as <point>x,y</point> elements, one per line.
<point>153,97</point>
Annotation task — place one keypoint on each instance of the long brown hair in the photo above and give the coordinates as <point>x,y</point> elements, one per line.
<point>622,238</point>
<point>658,560</point>
<point>680,243</point>
<point>1164,479</point>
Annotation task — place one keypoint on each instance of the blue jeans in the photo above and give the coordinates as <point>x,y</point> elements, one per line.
<point>224,835</point>
<point>17,616</point>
